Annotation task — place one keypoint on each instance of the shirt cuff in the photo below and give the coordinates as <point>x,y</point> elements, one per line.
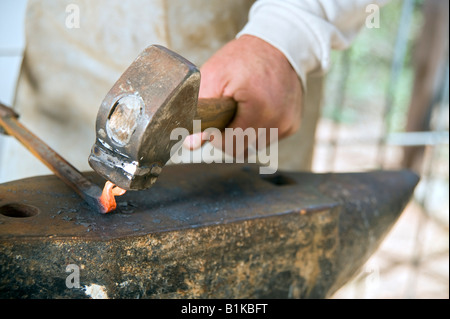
<point>304,38</point>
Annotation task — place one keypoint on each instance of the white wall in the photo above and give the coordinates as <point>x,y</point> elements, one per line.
<point>12,44</point>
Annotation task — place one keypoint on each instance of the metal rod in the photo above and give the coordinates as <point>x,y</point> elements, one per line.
<point>396,68</point>
<point>89,191</point>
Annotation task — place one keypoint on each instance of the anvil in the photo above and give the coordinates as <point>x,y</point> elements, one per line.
<point>202,231</point>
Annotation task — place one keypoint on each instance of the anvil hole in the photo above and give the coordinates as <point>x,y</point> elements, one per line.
<point>18,210</point>
<point>278,179</point>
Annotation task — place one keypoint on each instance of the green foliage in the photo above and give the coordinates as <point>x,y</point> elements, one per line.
<point>357,88</point>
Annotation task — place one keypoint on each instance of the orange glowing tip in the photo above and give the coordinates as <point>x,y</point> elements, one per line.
<point>107,199</point>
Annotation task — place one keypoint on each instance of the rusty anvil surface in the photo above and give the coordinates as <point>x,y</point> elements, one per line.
<point>202,231</point>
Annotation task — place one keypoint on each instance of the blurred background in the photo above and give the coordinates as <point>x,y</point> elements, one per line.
<point>385,106</point>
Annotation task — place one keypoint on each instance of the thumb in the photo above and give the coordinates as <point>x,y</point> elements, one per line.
<point>193,141</point>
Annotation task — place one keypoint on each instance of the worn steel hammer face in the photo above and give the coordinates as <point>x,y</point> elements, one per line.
<point>156,94</point>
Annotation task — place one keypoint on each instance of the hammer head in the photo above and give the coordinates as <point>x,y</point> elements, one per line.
<point>156,94</point>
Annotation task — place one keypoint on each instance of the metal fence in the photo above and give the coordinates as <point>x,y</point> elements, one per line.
<point>386,106</point>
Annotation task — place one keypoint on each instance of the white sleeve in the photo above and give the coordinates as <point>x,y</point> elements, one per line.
<point>306,31</point>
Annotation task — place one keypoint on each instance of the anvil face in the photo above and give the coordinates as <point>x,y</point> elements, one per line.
<point>291,234</point>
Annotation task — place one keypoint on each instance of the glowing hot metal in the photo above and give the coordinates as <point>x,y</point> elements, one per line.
<point>107,199</point>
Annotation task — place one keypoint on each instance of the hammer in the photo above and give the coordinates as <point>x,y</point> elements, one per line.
<point>156,94</point>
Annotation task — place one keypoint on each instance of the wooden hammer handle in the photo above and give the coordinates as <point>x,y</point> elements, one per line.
<point>216,112</point>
